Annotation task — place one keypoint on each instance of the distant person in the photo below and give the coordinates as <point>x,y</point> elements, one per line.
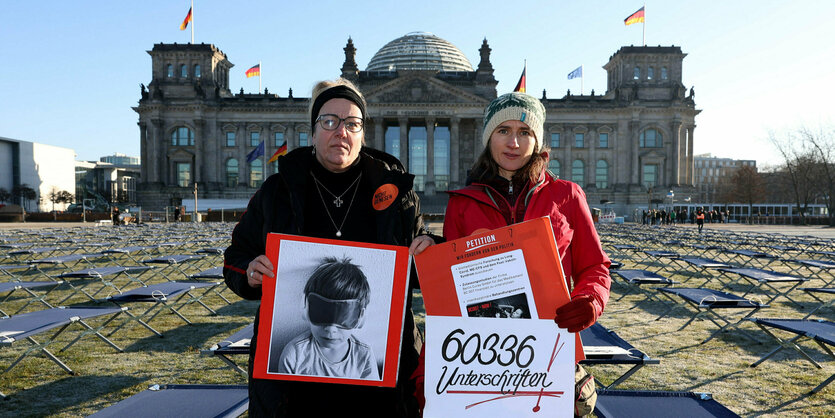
<point>115,216</point>
<point>700,219</point>
<point>335,298</point>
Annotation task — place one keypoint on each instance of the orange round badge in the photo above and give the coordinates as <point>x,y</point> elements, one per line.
<point>384,196</point>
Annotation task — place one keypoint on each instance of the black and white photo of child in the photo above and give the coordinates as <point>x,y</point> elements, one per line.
<point>325,296</point>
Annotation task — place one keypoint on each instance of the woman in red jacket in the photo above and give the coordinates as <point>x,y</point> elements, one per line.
<point>509,183</point>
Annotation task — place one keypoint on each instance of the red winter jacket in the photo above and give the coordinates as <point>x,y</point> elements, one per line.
<point>479,207</point>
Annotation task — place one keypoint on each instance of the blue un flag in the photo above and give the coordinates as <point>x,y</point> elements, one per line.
<point>576,73</point>
<point>257,152</point>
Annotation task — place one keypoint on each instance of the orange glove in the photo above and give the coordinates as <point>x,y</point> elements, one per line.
<point>578,314</point>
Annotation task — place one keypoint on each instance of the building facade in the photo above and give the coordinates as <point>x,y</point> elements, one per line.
<point>425,106</point>
<point>42,168</point>
<point>712,173</point>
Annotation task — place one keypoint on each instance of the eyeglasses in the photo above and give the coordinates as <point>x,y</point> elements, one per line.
<point>331,122</point>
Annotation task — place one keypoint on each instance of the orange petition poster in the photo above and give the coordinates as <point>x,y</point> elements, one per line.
<point>443,270</point>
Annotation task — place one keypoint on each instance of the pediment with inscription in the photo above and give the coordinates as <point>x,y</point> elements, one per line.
<point>420,89</point>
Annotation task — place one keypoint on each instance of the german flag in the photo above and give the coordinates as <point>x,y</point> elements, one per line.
<point>254,71</point>
<point>279,152</point>
<point>520,86</point>
<point>184,25</point>
<point>637,17</point>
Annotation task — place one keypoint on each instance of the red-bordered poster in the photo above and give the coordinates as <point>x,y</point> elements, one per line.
<point>334,312</point>
<point>491,341</point>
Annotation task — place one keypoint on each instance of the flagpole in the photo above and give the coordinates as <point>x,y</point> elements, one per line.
<point>192,21</point>
<point>644,26</point>
<point>260,71</point>
<point>581,80</point>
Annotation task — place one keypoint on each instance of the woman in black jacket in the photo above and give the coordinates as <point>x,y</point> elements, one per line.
<point>334,189</point>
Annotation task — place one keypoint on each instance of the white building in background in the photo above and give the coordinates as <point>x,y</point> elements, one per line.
<point>39,166</point>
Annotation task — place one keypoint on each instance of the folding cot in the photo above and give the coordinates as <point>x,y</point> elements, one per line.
<point>604,346</point>
<point>171,296</point>
<point>656,256</point>
<point>45,251</point>
<point>635,279</point>
<point>813,291</point>
<point>26,326</point>
<point>817,268</point>
<point>182,401</point>
<point>759,257</point>
<point>761,279</point>
<point>173,264</point>
<point>661,404</point>
<point>705,301</point>
<point>9,270</point>
<point>66,261</point>
<point>9,288</point>
<point>704,265</point>
<point>103,274</point>
<point>236,344</point>
<point>128,252</point>
<point>820,331</point>
<point>214,273</point>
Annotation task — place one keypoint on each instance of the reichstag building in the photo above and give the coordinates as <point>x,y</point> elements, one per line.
<point>627,146</point>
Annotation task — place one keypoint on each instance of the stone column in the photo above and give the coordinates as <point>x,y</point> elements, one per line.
<point>404,141</point>
<point>635,149</point>
<point>144,158</point>
<point>690,175</point>
<point>676,154</point>
<point>379,134</point>
<point>477,144</point>
<point>591,175</point>
<point>430,157</point>
<point>454,162</point>
<point>159,151</point>
<point>240,144</point>
<point>567,162</point>
<point>292,141</point>
<point>198,150</point>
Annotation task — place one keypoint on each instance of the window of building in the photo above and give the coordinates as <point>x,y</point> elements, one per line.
<point>650,175</point>
<point>651,138</point>
<point>392,139</point>
<point>256,173</point>
<point>441,149</point>
<point>197,71</point>
<point>636,73</point>
<point>278,139</point>
<point>182,136</point>
<point>650,73</point>
<point>231,172</point>
<point>554,167</point>
<point>254,139</point>
<point>183,71</point>
<point>183,174</point>
<point>230,139</point>
<point>555,140</point>
<point>601,174</point>
<point>303,142</point>
<point>579,140</point>
<point>663,73</point>
<point>417,155</point>
<point>169,71</point>
<point>578,171</point>
<point>604,139</point>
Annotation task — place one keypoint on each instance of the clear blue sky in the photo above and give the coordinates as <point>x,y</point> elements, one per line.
<point>71,70</point>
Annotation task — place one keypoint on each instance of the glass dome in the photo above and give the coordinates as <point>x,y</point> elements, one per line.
<point>419,51</point>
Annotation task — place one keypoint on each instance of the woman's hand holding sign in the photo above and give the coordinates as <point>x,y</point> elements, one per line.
<point>577,315</point>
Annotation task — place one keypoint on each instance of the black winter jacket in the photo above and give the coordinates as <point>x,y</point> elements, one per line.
<point>278,206</point>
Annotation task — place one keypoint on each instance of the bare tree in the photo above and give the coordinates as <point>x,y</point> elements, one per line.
<point>747,187</point>
<point>823,143</point>
<point>800,166</point>
<point>5,196</point>
<point>25,193</point>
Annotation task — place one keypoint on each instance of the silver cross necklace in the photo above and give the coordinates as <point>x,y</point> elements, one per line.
<point>337,201</point>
